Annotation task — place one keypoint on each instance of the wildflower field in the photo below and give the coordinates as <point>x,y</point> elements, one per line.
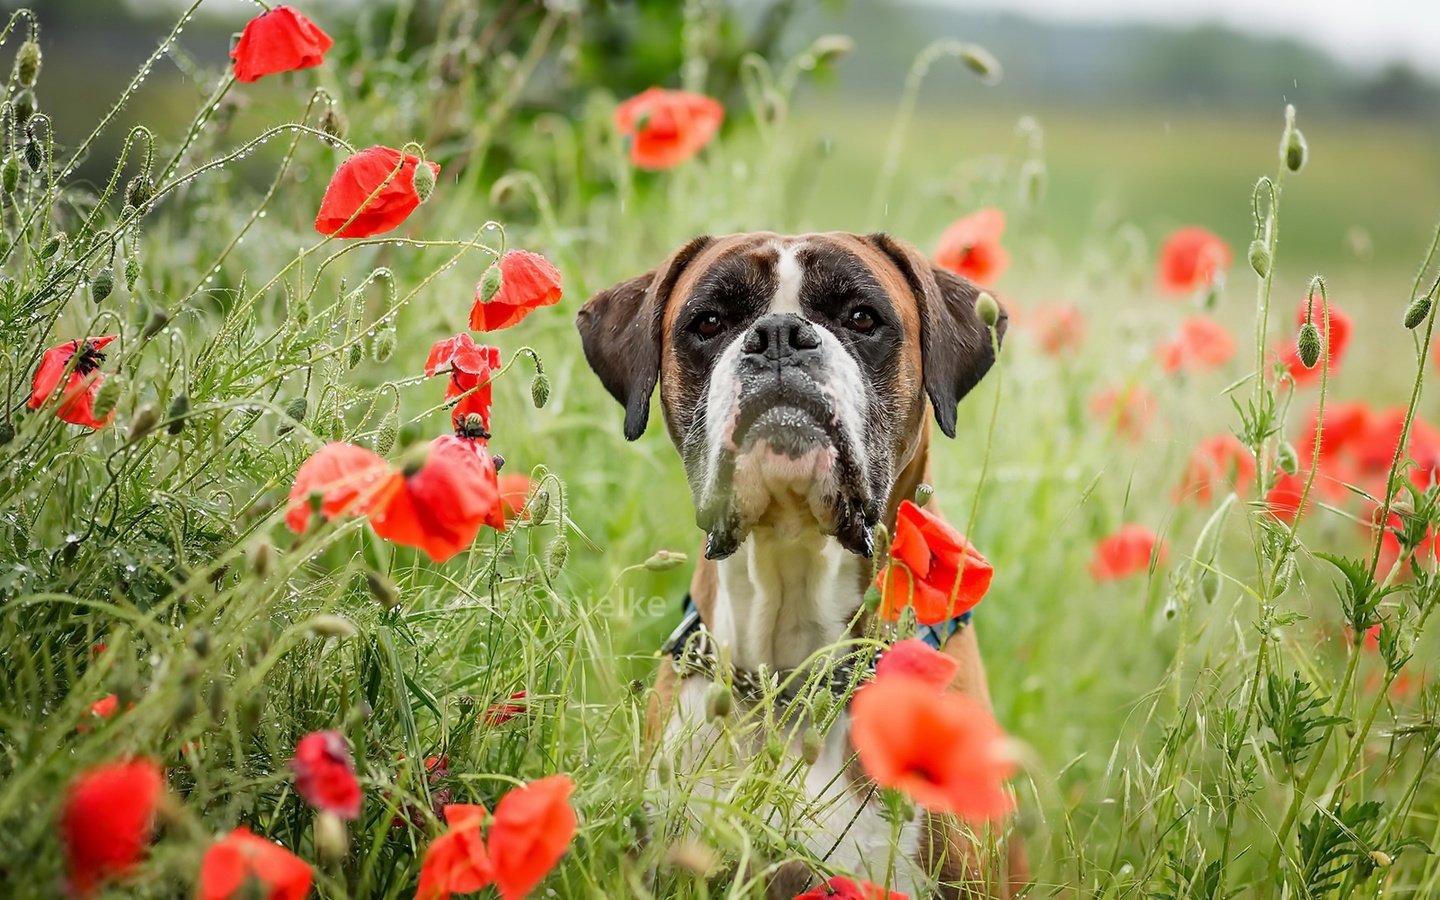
<point>326,568</point>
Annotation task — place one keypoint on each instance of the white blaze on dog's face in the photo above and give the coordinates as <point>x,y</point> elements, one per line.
<point>794,373</point>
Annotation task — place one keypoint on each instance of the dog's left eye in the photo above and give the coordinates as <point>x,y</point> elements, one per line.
<point>862,319</point>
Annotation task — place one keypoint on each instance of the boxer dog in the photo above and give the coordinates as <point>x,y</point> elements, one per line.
<point>797,378</point>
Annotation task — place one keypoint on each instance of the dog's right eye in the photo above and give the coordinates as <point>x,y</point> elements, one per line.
<point>707,325</point>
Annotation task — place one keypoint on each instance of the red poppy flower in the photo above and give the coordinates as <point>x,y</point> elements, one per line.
<point>240,862</point>
<point>344,475</point>
<point>532,828</point>
<point>1190,259</point>
<point>1283,498</point>
<point>456,862</point>
<point>527,282</point>
<point>1126,552</point>
<point>500,713</point>
<point>1390,543</point>
<point>1129,409</point>
<point>1345,425</point>
<point>1203,343</point>
<point>913,658</point>
<point>665,128</point>
<point>943,750</point>
<point>514,491</point>
<point>1220,460</point>
<point>77,402</point>
<point>279,40</point>
<point>1059,329</point>
<point>842,888</point>
<point>368,196</point>
<point>104,708</point>
<point>325,774</point>
<point>472,367</point>
<point>107,819</point>
<point>936,562</point>
<point>1375,451</point>
<point>439,505</point>
<point>1334,341</point>
<point>971,246</point>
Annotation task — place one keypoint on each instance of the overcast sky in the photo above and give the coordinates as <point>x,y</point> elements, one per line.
<point>1365,33</point>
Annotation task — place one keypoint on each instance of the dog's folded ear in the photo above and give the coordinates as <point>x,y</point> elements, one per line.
<point>620,331</point>
<point>954,343</point>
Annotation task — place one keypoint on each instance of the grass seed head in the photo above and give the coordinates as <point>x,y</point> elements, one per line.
<point>382,590</point>
<point>665,560</point>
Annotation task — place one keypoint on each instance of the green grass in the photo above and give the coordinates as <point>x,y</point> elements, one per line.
<point>1137,701</point>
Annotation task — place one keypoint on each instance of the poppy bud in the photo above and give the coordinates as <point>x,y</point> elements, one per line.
<point>1416,312</point>
<point>923,493</point>
<point>1287,459</point>
<point>1260,258</point>
<point>155,322</point>
<point>333,123</point>
<point>27,64</point>
<point>810,744</point>
<point>132,273</point>
<point>102,283</point>
<point>328,626</point>
<point>1295,151</point>
<point>383,347</point>
<point>490,283</point>
<point>107,396</point>
<point>10,175</point>
<point>822,705</point>
<point>978,60</point>
<point>331,839</point>
<point>185,708</point>
<point>1210,585</point>
<point>1308,345</point>
<point>424,182</point>
<point>556,555</point>
<point>252,707</point>
<point>540,507</point>
<point>34,154</point>
<point>872,598</point>
<point>719,701</point>
<point>354,356</point>
<point>540,390</point>
<point>7,433</point>
<point>987,309</point>
<point>389,430</point>
<point>297,408</point>
<point>665,560</point>
<point>1381,858</point>
<point>53,247</point>
<point>24,107</point>
<point>138,191</point>
<point>382,590</point>
<point>179,409</point>
<point>262,557</point>
<point>146,418</point>
<point>1285,576</point>
<point>829,48</point>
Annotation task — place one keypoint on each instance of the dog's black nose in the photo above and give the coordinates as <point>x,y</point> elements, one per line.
<point>780,338</point>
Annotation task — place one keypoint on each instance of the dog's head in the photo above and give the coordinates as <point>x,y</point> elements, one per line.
<point>794,372</point>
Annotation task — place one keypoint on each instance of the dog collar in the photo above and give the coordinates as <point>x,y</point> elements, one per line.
<point>692,652</point>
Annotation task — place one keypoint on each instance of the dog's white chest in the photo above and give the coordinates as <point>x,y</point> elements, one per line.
<point>724,771</point>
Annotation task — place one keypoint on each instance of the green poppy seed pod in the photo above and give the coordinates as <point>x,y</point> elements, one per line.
<point>107,396</point>
<point>297,408</point>
<point>138,191</point>
<point>1295,151</point>
<point>665,560</point>
<point>333,123</point>
<point>178,411</point>
<point>34,154</point>
<point>490,283</point>
<point>556,555</point>
<point>1416,312</point>
<point>326,626</point>
<point>382,590</point>
<point>146,418</point>
<point>53,247</point>
<point>979,60</point>
<point>7,433</point>
<point>389,430</point>
<point>155,322</point>
<point>719,702</point>
<point>540,390</point>
<point>1287,458</point>
<point>261,556</point>
<point>383,347</point>
<point>924,493</point>
<point>987,309</point>
<point>27,64</point>
<point>1210,585</point>
<point>810,744</point>
<point>132,273</point>
<point>10,175</point>
<point>102,283</point>
<point>540,507</point>
<point>1308,345</point>
<point>1260,258</point>
<point>424,181</point>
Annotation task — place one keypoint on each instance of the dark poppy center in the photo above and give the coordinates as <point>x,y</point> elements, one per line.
<point>88,358</point>
<point>472,427</point>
